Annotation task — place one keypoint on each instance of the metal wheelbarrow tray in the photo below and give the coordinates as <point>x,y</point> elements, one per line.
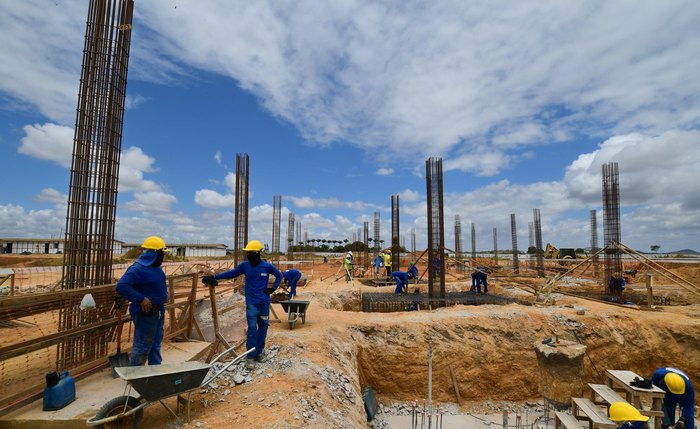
<point>295,309</point>
<point>154,384</point>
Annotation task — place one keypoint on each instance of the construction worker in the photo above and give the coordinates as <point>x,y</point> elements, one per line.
<point>348,263</point>
<point>143,284</point>
<point>616,284</point>
<point>479,277</point>
<point>412,270</point>
<point>257,297</point>
<point>627,416</point>
<point>401,281</point>
<point>378,263</point>
<point>679,392</point>
<point>387,262</point>
<point>291,277</point>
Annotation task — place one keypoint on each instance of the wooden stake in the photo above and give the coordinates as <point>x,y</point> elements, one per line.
<point>456,386</point>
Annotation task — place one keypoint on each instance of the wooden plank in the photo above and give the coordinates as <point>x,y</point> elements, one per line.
<point>569,421</point>
<point>584,408</point>
<point>455,385</point>
<point>607,394</point>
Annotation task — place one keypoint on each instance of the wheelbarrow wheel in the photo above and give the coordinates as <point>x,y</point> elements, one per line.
<point>120,405</point>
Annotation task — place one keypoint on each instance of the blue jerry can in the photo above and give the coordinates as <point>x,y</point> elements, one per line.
<point>59,391</point>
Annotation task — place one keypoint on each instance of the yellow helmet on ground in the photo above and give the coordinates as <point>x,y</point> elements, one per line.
<point>154,243</point>
<point>253,246</point>
<point>624,412</point>
<point>675,383</point>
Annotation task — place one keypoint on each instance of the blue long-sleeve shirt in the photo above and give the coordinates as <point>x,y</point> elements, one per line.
<point>141,280</point>
<point>256,280</point>
<point>686,401</point>
<point>413,272</point>
<point>479,277</point>
<point>292,275</point>
<point>378,261</point>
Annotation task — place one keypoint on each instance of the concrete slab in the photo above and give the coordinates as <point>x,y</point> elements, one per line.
<point>475,421</point>
<point>91,393</point>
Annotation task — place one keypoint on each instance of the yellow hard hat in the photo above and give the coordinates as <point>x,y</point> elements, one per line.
<point>154,243</point>
<point>616,275</point>
<point>253,246</point>
<point>624,412</point>
<point>675,383</point>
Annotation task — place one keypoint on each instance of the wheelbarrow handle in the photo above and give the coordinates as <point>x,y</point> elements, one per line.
<point>225,367</point>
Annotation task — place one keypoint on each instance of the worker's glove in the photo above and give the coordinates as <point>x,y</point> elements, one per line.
<point>210,281</point>
<point>269,290</point>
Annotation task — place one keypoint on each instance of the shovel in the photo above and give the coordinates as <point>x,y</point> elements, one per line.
<point>119,359</point>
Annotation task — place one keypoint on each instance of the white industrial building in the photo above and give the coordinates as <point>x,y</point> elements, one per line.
<point>42,245</point>
<point>187,249</point>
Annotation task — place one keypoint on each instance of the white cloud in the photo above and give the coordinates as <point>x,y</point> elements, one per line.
<point>53,196</point>
<point>230,181</point>
<point>151,202</point>
<point>15,221</point>
<point>213,200</point>
<point>408,195</point>
<point>328,203</point>
<point>134,101</point>
<point>384,171</point>
<point>49,142</point>
<point>217,157</point>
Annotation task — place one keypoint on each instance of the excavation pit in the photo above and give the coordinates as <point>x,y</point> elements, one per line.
<point>391,303</point>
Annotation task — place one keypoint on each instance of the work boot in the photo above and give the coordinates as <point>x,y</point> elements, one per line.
<point>250,364</point>
<point>262,357</point>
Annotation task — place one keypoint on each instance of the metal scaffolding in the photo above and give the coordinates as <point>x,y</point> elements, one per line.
<point>276,221</point>
<point>514,241</point>
<point>458,237</point>
<point>377,224</point>
<point>436,228</point>
<point>531,234</point>
<point>395,234</point>
<point>611,218</point>
<point>240,233</point>
<point>538,242</point>
<point>365,241</point>
<point>594,243</point>
<point>92,196</point>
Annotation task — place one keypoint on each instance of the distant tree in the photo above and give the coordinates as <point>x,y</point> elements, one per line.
<point>580,251</point>
<point>654,248</point>
<point>531,250</point>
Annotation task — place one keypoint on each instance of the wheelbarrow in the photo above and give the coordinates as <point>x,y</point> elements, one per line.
<point>154,383</point>
<point>295,309</point>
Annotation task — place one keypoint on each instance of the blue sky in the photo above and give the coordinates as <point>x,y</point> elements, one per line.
<point>339,104</point>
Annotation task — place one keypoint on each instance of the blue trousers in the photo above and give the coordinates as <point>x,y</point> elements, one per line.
<point>148,334</point>
<point>293,288</point>
<point>258,317</point>
<point>478,286</point>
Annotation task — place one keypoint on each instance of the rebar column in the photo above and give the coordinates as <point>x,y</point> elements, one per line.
<point>413,241</point>
<point>290,235</point>
<point>240,233</point>
<point>436,228</point>
<point>611,219</point>
<point>458,237</point>
<point>365,240</point>
<point>298,234</point>
<point>495,246</point>
<point>377,223</point>
<point>594,243</point>
<point>531,250</point>
<point>276,221</point>
<point>94,176</point>
<point>395,234</point>
<point>514,241</point>
<point>473,243</point>
<point>538,241</point>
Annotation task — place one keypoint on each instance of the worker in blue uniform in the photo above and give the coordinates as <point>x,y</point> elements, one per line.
<point>627,416</point>
<point>143,284</point>
<point>291,277</point>
<point>401,281</point>
<point>679,392</point>
<point>479,278</point>
<point>616,284</point>
<point>412,271</point>
<point>378,263</point>
<point>257,297</point>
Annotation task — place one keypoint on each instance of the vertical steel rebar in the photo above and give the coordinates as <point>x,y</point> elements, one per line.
<point>458,237</point>
<point>240,233</point>
<point>413,240</point>
<point>290,236</point>
<point>395,238</point>
<point>365,241</point>
<point>538,241</point>
<point>94,176</point>
<point>594,243</point>
<point>436,227</point>
<point>377,237</point>
<point>514,241</point>
<point>276,221</point>
<point>473,242</point>
<point>495,245</point>
<point>611,219</point>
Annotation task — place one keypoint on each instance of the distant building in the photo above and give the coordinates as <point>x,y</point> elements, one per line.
<point>186,249</point>
<point>42,245</point>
